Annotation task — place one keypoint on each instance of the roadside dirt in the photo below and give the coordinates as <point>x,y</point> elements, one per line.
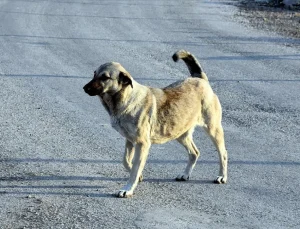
<point>271,18</point>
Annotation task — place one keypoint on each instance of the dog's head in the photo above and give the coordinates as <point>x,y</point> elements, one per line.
<point>108,78</point>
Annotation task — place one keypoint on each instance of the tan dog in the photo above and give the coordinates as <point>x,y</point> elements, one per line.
<point>145,115</point>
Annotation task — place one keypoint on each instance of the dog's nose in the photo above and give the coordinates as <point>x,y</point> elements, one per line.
<point>86,88</point>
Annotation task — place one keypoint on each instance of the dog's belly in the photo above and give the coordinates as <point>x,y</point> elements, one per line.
<point>161,139</point>
<point>167,132</point>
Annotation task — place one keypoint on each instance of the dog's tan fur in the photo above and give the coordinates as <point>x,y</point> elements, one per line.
<point>145,115</point>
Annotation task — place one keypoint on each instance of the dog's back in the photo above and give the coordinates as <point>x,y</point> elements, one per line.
<point>179,107</point>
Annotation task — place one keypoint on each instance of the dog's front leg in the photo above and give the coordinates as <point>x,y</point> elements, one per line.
<point>139,161</point>
<point>128,156</point>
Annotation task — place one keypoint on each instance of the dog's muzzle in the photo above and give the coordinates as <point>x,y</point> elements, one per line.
<point>90,91</point>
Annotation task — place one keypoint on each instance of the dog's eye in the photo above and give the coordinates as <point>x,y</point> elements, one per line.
<point>104,78</point>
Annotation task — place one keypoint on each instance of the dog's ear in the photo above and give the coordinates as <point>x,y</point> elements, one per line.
<point>125,78</point>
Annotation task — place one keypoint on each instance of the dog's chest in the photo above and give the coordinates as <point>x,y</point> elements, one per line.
<point>115,123</point>
<point>120,126</point>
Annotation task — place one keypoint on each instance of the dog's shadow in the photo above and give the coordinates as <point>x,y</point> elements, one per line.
<point>153,180</point>
<point>23,186</point>
<point>34,184</point>
<point>94,191</point>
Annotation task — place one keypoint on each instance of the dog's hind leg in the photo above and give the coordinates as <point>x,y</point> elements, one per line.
<point>216,133</point>
<point>128,156</point>
<point>187,141</point>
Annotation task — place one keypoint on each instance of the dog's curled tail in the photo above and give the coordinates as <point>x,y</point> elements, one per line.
<point>191,62</point>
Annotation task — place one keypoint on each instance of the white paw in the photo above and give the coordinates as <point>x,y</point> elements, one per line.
<point>182,177</point>
<point>124,194</point>
<point>220,180</point>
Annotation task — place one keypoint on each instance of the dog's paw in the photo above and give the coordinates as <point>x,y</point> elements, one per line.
<point>220,180</point>
<point>182,177</point>
<point>123,194</point>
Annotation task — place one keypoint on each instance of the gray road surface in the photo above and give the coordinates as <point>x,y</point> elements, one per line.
<point>60,161</point>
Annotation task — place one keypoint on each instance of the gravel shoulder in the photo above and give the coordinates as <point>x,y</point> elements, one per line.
<point>271,18</point>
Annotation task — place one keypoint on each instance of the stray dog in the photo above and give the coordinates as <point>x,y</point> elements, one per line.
<point>145,115</point>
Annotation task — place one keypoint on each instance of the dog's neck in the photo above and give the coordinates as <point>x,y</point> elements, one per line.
<point>114,102</point>
<point>123,100</point>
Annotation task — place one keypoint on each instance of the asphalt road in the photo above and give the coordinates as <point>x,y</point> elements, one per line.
<point>60,161</point>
